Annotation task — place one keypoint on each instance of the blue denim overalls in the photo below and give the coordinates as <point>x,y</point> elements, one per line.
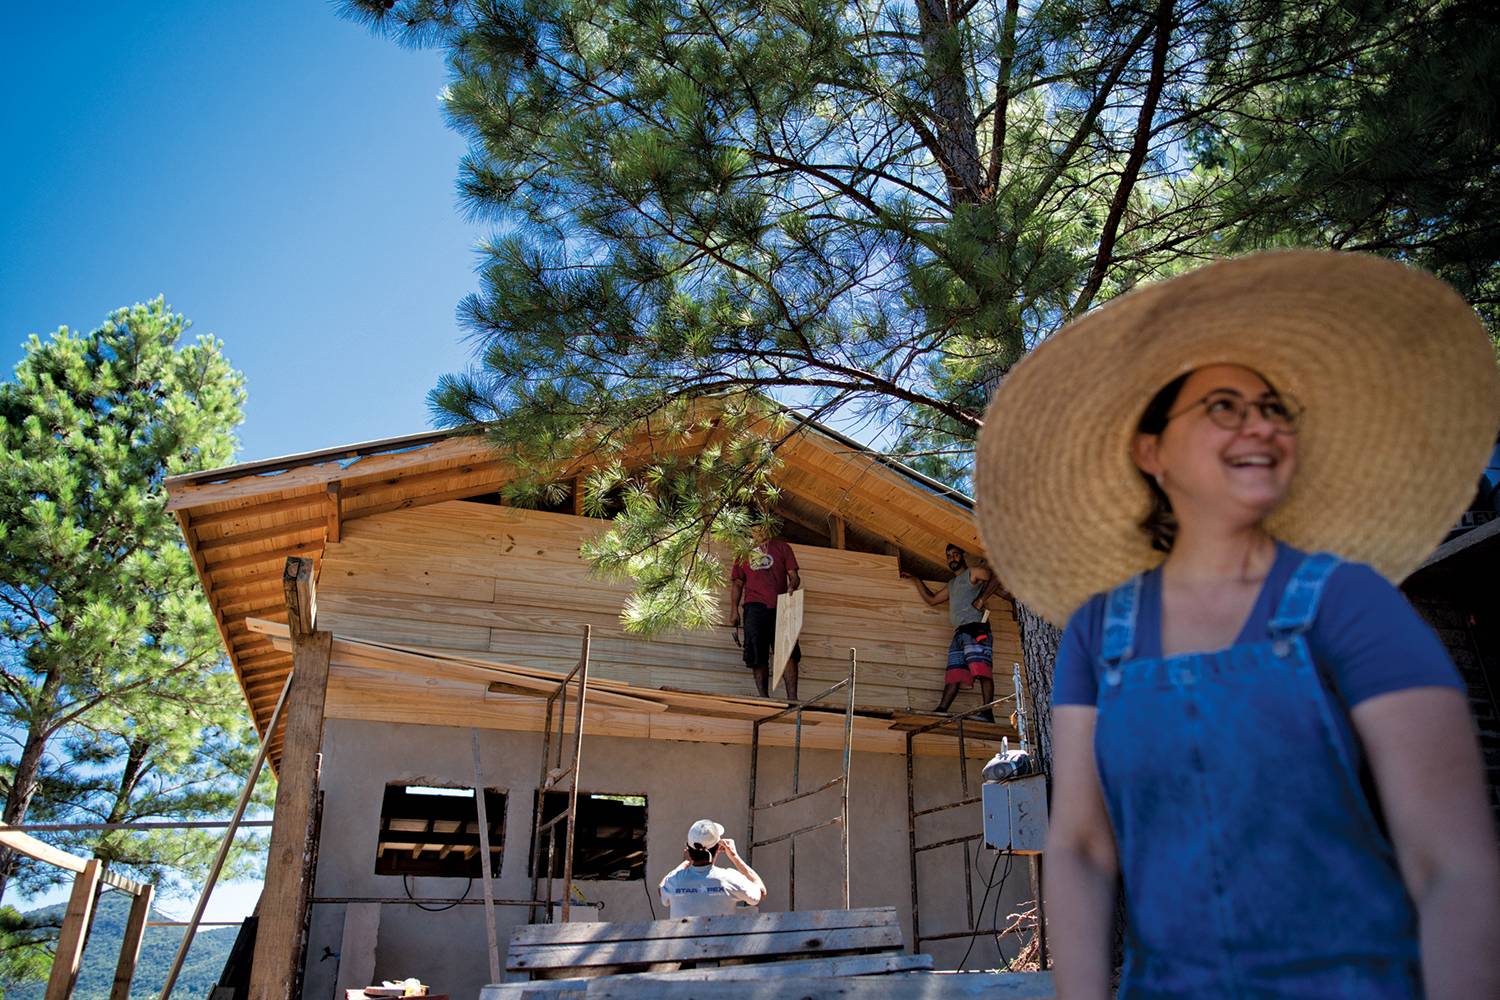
<point>1253,863</point>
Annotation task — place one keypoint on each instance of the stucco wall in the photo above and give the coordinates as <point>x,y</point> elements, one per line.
<point>682,782</point>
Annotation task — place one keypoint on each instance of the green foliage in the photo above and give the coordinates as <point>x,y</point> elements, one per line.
<point>96,974</point>
<point>722,480</point>
<point>112,683</point>
<point>877,207</point>
<point>25,956</point>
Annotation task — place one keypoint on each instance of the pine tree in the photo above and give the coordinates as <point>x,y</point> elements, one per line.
<point>106,640</point>
<point>873,207</point>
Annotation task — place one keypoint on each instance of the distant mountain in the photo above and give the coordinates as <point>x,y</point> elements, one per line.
<point>205,960</point>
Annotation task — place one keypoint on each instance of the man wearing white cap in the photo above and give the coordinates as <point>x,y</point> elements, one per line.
<point>700,888</point>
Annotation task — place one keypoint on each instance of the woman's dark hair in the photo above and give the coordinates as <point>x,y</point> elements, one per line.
<point>1159,524</point>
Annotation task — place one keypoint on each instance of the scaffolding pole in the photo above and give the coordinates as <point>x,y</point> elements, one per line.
<point>841,782</point>
<point>955,723</point>
<point>552,775</point>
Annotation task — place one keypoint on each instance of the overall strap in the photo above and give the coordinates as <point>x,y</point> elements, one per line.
<point>1120,608</point>
<point>1299,602</point>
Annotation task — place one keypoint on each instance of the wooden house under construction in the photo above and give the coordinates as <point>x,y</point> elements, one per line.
<point>432,626</point>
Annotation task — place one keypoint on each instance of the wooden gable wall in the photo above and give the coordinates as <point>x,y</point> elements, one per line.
<point>508,584</point>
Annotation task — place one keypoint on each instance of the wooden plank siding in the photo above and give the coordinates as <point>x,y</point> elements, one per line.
<point>509,585</point>
<point>241,523</point>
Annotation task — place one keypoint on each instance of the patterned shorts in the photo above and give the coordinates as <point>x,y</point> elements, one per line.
<point>970,655</point>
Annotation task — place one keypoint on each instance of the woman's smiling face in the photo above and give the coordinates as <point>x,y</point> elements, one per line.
<point>1201,465</point>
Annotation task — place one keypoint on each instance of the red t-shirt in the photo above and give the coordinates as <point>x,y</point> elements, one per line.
<point>764,573</point>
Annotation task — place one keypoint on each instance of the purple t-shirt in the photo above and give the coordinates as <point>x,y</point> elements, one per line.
<point>1366,638</point>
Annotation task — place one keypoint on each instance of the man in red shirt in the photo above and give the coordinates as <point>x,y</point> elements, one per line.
<point>769,571</point>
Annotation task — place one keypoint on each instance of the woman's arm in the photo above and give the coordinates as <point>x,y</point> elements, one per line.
<point>1082,864</point>
<point>1422,750</point>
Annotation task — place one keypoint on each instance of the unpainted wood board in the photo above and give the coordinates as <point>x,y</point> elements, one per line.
<point>285,892</point>
<point>406,631</point>
<point>210,539</point>
<point>414,556</point>
<point>457,449</point>
<point>398,580</point>
<point>68,956</point>
<point>898,986</point>
<point>226,585</point>
<point>387,701</point>
<point>836,967</point>
<point>818,968</point>
<point>226,551</point>
<point>468,677</point>
<point>539,616</point>
<point>265,557</point>
<point>703,946</point>
<point>436,479</point>
<point>681,927</point>
<point>882,517</point>
<point>403,499</point>
<point>255,512</point>
<point>515,532</point>
<point>860,476</point>
<point>130,943</point>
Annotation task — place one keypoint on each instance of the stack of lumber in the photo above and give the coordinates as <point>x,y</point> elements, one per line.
<point>812,953</point>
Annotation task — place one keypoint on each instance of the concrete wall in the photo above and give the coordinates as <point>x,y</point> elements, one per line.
<point>682,782</point>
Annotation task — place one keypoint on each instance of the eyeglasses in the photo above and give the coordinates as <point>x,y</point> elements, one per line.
<point>1230,410</point>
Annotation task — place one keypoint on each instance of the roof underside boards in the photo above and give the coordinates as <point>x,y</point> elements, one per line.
<point>241,524</point>
<point>381,682</point>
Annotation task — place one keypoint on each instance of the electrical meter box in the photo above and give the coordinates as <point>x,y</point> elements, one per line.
<point>1015,814</point>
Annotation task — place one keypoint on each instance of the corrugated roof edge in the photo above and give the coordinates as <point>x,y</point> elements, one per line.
<point>384,446</point>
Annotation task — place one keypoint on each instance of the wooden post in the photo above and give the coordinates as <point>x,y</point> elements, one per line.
<point>130,947</point>
<point>481,813</point>
<point>836,531</point>
<point>335,497</point>
<point>283,900</point>
<point>75,929</point>
<point>234,824</point>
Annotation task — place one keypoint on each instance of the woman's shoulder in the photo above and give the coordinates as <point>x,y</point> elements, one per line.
<point>1348,580</point>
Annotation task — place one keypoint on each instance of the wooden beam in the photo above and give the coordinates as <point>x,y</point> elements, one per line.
<point>577,504</point>
<point>75,930</point>
<point>130,946</point>
<point>283,900</point>
<point>836,530</point>
<point>264,558</point>
<point>335,511</point>
<point>23,843</point>
<point>301,600</point>
<point>260,534</point>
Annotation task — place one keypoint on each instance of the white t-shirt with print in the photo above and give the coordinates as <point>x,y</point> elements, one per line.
<point>706,891</point>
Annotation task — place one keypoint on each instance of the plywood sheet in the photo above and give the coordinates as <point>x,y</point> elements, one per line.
<point>788,629</point>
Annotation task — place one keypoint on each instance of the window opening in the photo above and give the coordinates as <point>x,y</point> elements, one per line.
<point>433,830</point>
<point>611,832</point>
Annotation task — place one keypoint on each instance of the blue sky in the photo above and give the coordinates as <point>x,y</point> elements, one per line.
<point>283,177</point>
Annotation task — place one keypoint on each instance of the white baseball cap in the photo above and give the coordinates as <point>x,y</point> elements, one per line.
<point>705,834</point>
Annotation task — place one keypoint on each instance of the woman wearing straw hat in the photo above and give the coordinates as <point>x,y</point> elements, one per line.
<point>1251,726</point>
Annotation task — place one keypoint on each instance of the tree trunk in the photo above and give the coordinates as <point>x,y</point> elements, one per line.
<point>952,107</point>
<point>1039,642</point>
<point>23,785</point>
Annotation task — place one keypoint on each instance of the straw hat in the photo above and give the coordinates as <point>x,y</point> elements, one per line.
<point>1397,375</point>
